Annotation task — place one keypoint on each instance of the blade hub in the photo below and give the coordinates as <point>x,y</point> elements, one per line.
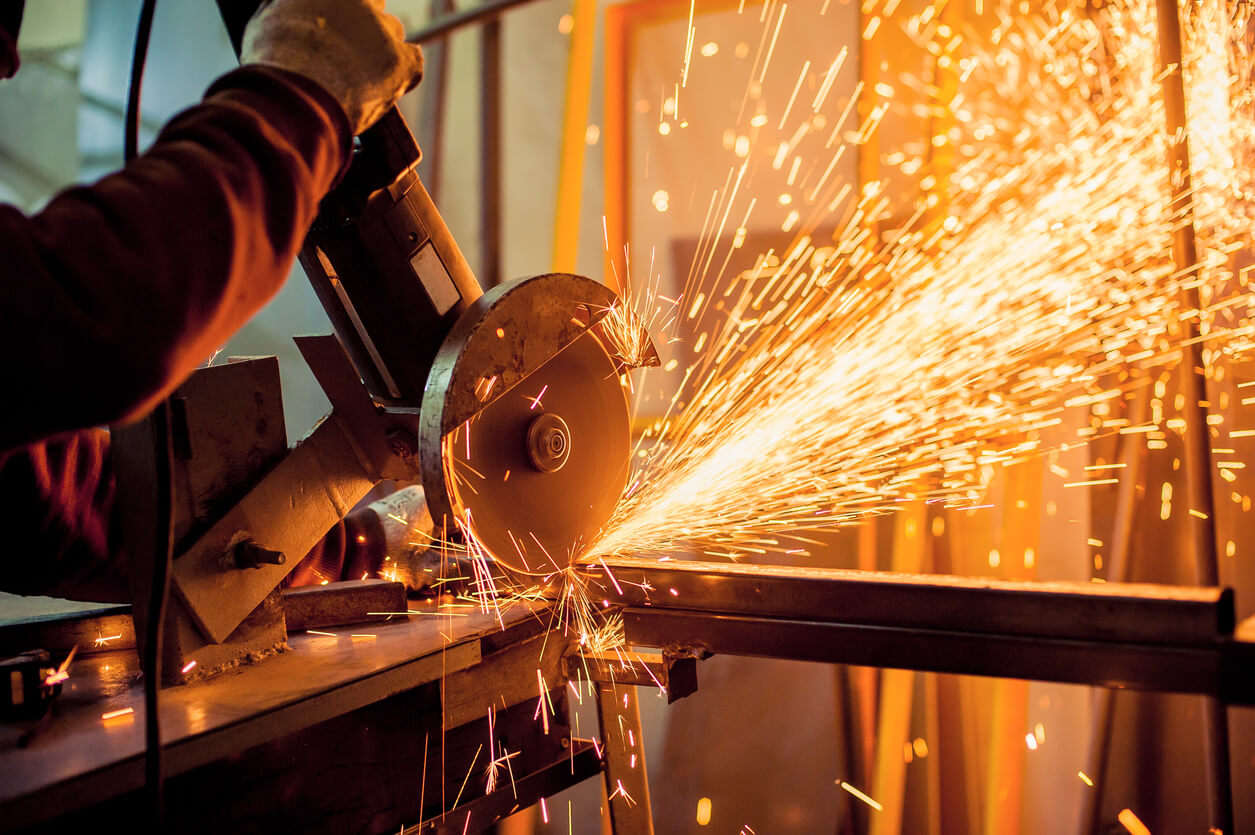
<point>548,443</point>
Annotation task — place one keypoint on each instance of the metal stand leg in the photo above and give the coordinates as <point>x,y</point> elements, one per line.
<point>624,760</point>
<point>1219,779</point>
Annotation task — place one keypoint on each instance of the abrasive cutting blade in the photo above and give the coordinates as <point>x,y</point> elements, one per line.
<point>538,472</point>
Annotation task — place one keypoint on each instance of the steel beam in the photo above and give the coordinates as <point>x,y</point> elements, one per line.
<point>1143,637</point>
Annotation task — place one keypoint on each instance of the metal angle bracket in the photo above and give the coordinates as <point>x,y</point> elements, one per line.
<point>672,671</point>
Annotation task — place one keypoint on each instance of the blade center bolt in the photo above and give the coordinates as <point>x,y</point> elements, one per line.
<point>548,443</point>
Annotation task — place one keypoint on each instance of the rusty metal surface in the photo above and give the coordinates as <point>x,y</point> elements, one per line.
<point>189,656</point>
<point>228,427</point>
<point>227,430</point>
<point>348,601</point>
<point>289,510</point>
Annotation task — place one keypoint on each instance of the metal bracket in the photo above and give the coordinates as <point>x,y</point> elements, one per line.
<point>672,671</point>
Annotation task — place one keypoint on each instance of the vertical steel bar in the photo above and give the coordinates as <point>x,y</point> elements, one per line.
<point>1119,568</point>
<point>624,760</point>
<point>490,155</point>
<point>1185,257</point>
<point>848,702</point>
<point>579,85</point>
<point>429,126</point>
<point>897,687</point>
<point>1194,387</point>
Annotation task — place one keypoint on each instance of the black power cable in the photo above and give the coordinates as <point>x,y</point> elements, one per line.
<point>143,31</point>
<point>163,517</point>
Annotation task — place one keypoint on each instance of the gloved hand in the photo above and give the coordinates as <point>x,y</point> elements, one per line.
<point>350,48</point>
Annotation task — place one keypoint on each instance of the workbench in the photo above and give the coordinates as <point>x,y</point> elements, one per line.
<point>340,732</point>
<point>336,734</point>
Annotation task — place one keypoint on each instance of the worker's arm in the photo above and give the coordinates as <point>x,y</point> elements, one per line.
<point>62,539</point>
<point>116,291</point>
<point>57,499</point>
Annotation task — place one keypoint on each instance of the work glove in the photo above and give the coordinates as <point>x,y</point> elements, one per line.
<point>350,48</point>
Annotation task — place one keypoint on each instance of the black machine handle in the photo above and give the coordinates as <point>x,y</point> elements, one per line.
<point>380,257</point>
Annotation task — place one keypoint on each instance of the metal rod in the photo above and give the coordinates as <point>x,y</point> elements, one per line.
<point>447,25</point>
<point>1132,613</point>
<point>429,126</point>
<point>623,747</point>
<point>1185,258</point>
<point>1212,669</point>
<point>1119,568</point>
<point>490,155</point>
<point>1143,637</point>
<point>579,85</point>
<point>1194,388</point>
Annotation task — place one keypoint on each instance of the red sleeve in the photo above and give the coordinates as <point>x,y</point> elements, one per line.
<point>8,54</point>
<point>58,498</point>
<point>115,292</point>
<point>64,540</point>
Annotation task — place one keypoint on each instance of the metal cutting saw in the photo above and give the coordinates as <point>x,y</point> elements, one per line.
<point>522,413</point>
<point>509,405</point>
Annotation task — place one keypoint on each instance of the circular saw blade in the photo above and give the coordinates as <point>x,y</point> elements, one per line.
<point>531,520</point>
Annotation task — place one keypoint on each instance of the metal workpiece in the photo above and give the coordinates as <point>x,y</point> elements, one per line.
<point>1126,612</point>
<point>1135,636</point>
<point>342,602</point>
